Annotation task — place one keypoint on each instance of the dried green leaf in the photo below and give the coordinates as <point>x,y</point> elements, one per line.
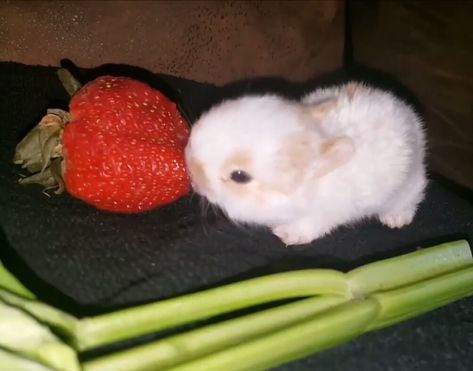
<point>44,178</point>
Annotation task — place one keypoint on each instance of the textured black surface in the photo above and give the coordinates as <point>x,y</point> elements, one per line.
<point>88,261</point>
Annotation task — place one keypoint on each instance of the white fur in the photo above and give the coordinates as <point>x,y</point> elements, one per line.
<point>385,176</point>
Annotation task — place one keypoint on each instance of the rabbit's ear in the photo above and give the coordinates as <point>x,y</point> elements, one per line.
<point>319,110</point>
<point>307,155</point>
<point>333,153</point>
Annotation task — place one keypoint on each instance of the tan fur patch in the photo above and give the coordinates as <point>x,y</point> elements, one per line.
<point>319,110</point>
<point>352,88</point>
<point>298,154</point>
<point>313,114</point>
<point>334,152</point>
<point>238,161</point>
<point>257,192</point>
<point>327,145</point>
<point>305,157</point>
<point>198,173</point>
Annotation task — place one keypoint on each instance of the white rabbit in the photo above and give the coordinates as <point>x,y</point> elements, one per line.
<point>303,168</point>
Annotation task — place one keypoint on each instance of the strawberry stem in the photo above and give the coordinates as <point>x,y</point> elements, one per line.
<point>69,82</point>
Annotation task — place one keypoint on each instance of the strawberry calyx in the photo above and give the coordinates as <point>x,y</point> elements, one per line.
<point>40,151</point>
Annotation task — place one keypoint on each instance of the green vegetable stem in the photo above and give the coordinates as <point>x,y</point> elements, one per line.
<point>400,287</point>
<point>328,308</point>
<point>129,323</point>
<point>378,276</point>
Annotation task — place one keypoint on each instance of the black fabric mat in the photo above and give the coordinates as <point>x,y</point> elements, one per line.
<point>88,261</point>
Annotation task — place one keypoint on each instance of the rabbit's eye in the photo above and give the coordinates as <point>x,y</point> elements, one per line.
<point>240,176</point>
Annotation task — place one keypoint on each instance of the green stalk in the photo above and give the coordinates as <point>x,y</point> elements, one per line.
<point>321,332</point>
<point>393,307</point>
<point>396,289</point>
<point>197,343</point>
<point>22,334</point>
<point>14,362</point>
<point>382,275</point>
<point>128,323</point>
<point>409,301</point>
<point>444,258</point>
<point>60,321</point>
<point>408,268</point>
<point>9,282</point>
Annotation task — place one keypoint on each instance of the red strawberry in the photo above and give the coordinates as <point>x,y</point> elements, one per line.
<point>122,148</point>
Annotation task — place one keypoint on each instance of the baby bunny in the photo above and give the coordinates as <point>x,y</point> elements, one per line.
<point>303,168</point>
